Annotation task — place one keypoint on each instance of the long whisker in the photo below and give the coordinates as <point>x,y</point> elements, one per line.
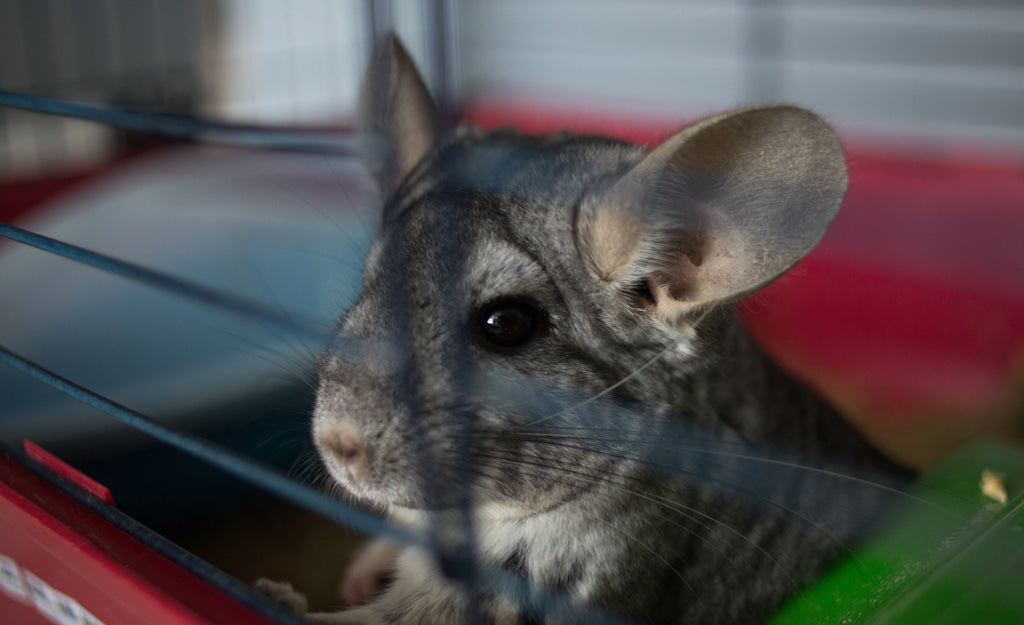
<point>687,512</point>
<point>666,445</point>
<point>646,547</point>
<point>675,471</point>
<point>632,374</point>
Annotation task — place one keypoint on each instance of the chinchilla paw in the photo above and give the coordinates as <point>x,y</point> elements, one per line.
<point>283,593</point>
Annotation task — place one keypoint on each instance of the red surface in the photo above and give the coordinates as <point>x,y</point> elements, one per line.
<point>20,196</point>
<point>17,198</point>
<point>66,471</point>
<point>93,566</point>
<point>896,345</point>
<point>914,301</point>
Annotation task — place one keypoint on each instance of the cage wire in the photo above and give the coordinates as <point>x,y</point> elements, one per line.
<point>760,467</point>
<point>454,550</point>
<point>688,453</point>
<point>765,467</point>
<point>194,128</point>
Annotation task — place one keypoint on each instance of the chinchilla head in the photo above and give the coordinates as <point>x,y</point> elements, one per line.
<point>517,280</point>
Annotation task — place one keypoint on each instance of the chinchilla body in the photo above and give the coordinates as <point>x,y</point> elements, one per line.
<point>546,336</point>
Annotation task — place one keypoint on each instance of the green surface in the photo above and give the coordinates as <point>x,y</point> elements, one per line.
<point>950,555</point>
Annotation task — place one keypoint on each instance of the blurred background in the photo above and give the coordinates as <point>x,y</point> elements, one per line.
<point>910,314</point>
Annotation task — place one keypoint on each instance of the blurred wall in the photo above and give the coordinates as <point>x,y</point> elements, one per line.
<point>294,63</point>
<point>914,67</point>
<point>146,55</point>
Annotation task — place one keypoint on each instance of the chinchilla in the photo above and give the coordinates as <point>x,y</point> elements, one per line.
<point>546,342</point>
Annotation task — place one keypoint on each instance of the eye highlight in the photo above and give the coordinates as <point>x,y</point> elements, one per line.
<point>509,324</point>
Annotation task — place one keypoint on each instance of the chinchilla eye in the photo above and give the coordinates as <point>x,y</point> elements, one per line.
<point>509,324</point>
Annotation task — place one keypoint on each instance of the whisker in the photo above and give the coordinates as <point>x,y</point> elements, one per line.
<point>632,374</point>
<point>675,472</point>
<point>646,547</point>
<point>650,550</point>
<point>685,511</point>
<point>671,446</point>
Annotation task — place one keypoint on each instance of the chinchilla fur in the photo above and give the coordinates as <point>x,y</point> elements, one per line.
<point>547,340</point>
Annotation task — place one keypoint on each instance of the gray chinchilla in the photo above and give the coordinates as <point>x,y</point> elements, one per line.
<point>546,335</point>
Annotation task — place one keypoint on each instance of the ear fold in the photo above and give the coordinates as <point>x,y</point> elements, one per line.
<point>719,210</point>
<point>397,112</point>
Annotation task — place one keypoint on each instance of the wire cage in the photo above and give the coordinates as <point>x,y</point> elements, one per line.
<point>186,208</point>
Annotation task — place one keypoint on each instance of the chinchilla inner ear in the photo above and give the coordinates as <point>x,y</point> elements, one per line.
<point>396,114</point>
<point>717,211</point>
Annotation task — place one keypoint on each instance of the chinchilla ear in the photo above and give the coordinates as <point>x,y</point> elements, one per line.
<point>396,114</point>
<point>717,211</point>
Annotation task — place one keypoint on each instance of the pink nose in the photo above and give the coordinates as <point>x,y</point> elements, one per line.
<point>347,446</point>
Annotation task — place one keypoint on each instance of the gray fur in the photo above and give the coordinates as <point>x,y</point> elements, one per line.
<point>685,494</point>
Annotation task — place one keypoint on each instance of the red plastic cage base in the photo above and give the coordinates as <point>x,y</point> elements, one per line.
<point>65,560</point>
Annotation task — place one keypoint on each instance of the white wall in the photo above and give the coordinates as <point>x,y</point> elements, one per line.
<point>928,69</point>
<point>918,68</point>
<point>301,62</point>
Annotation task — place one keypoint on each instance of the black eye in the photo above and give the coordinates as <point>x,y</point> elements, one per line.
<point>509,324</point>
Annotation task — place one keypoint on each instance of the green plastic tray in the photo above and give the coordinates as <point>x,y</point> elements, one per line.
<point>950,555</point>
